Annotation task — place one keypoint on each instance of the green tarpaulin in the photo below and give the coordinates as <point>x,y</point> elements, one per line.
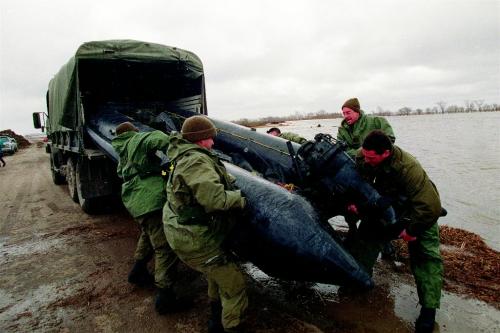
<point>63,94</point>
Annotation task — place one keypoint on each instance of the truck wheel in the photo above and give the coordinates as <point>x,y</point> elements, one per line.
<point>71,178</point>
<point>55,165</point>
<point>89,205</point>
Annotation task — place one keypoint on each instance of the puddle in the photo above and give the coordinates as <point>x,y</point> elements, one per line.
<point>457,314</point>
<point>391,306</point>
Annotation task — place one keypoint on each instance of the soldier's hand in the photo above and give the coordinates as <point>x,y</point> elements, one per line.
<point>406,236</point>
<point>394,231</point>
<point>351,208</point>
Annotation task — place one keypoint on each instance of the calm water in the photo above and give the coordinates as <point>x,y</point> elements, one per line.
<point>461,154</point>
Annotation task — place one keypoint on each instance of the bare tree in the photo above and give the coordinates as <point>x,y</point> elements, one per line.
<point>442,106</point>
<point>297,115</point>
<point>381,112</point>
<point>404,111</point>
<point>479,103</point>
<point>469,106</point>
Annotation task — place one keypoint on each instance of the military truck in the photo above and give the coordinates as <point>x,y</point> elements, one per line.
<point>158,87</point>
<point>122,75</point>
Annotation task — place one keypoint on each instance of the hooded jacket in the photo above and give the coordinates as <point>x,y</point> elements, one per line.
<point>201,194</point>
<point>353,135</point>
<point>401,176</point>
<point>143,188</point>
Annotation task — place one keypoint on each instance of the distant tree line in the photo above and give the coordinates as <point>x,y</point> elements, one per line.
<point>440,108</point>
<point>321,114</point>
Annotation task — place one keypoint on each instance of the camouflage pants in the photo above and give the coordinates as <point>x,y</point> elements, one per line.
<point>425,260</point>
<point>151,242</point>
<point>226,283</point>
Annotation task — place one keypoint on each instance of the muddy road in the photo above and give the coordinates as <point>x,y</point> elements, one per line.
<point>62,270</point>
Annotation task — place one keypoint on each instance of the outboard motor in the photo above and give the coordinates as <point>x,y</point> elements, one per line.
<point>325,163</point>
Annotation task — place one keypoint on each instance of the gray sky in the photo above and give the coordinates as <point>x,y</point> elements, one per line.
<point>269,57</point>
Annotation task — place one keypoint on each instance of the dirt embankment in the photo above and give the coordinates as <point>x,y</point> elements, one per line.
<point>63,270</point>
<point>21,140</point>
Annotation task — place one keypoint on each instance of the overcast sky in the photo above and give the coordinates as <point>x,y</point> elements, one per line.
<point>269,57</point>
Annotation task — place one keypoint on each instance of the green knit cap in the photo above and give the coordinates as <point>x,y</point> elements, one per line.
<point>352,104</point>
<point>197,128</point>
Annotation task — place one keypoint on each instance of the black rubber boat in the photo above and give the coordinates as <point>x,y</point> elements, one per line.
<point>283,233</point>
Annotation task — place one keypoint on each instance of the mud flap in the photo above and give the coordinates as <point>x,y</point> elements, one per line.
<point>55,167</point>
<point>94,184</point>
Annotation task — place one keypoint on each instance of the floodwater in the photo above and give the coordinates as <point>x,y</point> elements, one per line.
<point>461,154</point>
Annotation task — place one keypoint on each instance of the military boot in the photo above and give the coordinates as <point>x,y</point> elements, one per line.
<point>389,251</point>
<point>215,321</point>
<point>166,301</point>
<point>425,322</point>
<point>139,275</point>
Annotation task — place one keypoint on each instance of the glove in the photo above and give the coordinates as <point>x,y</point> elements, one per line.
<point>353,209</point>
<point>393,231</point>
<point>406,237</point>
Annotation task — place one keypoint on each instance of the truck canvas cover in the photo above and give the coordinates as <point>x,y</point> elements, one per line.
<point>62,97</point>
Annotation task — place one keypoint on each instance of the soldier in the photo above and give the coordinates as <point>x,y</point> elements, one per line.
<point>197,219</point>
<point>398,175</point>
<point>356,126</point>
<point>1,157</point>
<point>275,131</point>
<point>143,194</point>
<point>352,131</point>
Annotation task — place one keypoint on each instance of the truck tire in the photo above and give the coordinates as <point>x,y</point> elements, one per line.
<point>71,179</point>
<point>55,165</point>
<point>89,205</point>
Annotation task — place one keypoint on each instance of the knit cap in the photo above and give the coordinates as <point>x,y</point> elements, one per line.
<point>197,128</point>
<point>352,104</point>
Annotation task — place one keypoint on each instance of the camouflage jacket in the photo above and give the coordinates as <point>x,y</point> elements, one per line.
<point>201,194</point>
<point>353,135</point>
<point>401,176</point>
<point>292,137</point>
<point>143,188</point>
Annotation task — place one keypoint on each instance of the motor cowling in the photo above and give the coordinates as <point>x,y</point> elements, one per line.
<point>324,162</point>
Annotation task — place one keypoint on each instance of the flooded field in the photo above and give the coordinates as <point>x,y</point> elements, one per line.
<point>461,154</point>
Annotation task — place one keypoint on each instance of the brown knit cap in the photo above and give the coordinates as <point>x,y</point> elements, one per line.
<point>125,127</point>
<point>197,128</point>
<point>352,104</point>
